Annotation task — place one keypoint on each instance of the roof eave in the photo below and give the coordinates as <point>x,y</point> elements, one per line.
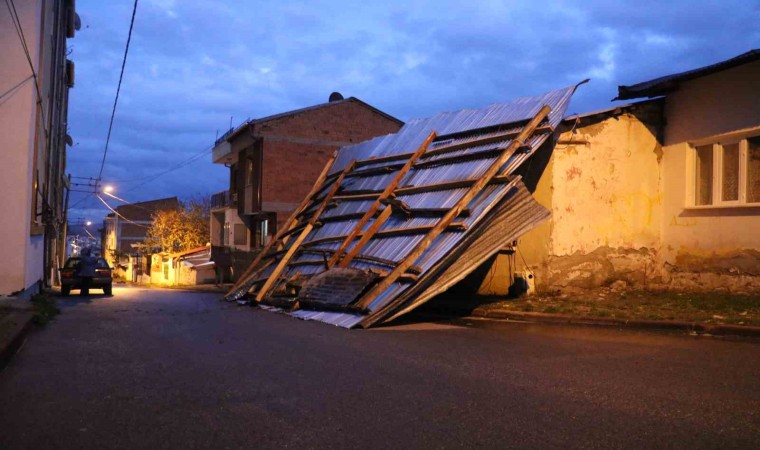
<point>248,123</point>
<point>669,83</point>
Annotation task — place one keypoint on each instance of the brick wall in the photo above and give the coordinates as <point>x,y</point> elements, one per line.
<point>296,148</point>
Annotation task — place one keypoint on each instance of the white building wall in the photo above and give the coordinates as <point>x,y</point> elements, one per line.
<point>23,266</point>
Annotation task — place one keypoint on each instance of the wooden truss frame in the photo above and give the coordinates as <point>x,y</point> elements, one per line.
<point>325,193</point>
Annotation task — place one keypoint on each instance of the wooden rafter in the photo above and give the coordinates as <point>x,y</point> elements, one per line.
<point>372,210</point>
<point>365,258</point>
<point>443,224</point>
<point>305,232</point>
<point>366,236</point>
<point>443,149</point>
<point>408,190</point>
<point>253,268</point>
<point>390,232</point>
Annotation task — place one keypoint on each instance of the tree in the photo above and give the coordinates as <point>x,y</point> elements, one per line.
<point>180,229</point>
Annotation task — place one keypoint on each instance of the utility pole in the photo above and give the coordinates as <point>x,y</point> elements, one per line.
<point>65,224</point>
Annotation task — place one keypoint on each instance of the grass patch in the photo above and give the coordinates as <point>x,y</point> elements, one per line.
<point>709,307</point>
<point>45,308</point>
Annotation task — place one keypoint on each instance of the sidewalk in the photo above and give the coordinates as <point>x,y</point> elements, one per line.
<point>15,321</point>
<point>717,313</point>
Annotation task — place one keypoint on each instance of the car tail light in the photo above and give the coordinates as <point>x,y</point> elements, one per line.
<point>103,271</point>
<point>67,275</point>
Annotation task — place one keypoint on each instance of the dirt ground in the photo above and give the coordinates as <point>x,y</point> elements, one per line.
<point>714,307</point>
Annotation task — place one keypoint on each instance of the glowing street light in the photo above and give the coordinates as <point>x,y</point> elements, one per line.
<point>88,223</point>
<point>107,188</point>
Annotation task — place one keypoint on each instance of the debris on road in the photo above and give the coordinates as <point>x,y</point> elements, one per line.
<point>386,229</point>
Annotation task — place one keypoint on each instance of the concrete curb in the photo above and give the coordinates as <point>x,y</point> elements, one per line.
<point>18,324</point>
<point>566,319</point>
<point>216,290</point>
<point>688,327</point>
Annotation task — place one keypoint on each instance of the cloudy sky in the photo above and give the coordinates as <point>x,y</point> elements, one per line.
<point>195,65</point>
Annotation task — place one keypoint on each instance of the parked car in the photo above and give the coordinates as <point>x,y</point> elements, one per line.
<point>102,279</point>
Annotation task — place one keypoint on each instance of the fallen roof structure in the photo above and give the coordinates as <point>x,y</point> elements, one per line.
<point>394,221</point>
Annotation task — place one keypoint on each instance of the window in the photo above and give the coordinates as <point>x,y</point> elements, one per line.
<point>263,232</point>
<point>249,172</point>
<point>240,234</point>
<point>727,173</point>
<point>704,172</point>
<point>753,170</point>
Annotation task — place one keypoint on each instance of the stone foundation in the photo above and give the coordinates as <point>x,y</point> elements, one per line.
<point>737,271</point>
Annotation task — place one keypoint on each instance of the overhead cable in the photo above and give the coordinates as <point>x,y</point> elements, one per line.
<point>118,89</point>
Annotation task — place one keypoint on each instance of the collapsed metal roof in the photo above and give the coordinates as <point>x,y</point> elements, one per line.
<point>395,220</point>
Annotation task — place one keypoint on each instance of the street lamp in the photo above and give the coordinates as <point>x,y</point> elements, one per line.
<point>88,223</point>
<point>108,189</point>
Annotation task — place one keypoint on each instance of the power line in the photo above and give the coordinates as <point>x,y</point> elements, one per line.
<point>14,88</point>
<point>20,33</point>
<point>82,200</point>
<point>117,213</point>
<point>177,166</point>
<point>118,89</point>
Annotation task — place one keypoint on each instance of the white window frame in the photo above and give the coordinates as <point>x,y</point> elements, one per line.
<point>718,142</point>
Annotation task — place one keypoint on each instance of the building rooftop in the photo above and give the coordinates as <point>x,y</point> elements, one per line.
<point>669,83</point>
<point>144,210</point>
<point>234,131</point>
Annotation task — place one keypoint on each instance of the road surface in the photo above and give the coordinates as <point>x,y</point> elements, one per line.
<point>172,369</point>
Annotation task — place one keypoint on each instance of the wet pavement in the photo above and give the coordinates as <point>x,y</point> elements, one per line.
<point>174,369</point>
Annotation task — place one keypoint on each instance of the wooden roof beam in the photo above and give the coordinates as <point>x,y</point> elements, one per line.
<point>447,220</point>
<point>253,268</point>
<point>443,149</point>
<point>372,210</point>
<point>305,232</point>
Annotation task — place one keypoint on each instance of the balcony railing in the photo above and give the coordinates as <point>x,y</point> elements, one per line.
<point>222,200</point>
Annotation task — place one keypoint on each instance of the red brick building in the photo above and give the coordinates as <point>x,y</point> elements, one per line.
<point>275,160</point>
<point>129,225</point>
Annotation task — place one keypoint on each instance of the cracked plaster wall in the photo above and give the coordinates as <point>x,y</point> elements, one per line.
<point>602,185</point>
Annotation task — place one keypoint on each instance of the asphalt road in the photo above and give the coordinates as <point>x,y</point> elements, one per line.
<point>172,369</point>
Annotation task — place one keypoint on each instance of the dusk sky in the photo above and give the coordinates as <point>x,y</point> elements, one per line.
<point>193,65</point>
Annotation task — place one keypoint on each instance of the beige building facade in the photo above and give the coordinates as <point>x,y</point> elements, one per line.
<point>662,193</point>
<point>35,76</point>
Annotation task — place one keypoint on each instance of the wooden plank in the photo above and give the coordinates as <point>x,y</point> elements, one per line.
<point>441,226</point>
<point>376,205</point>
<point>366,236</point>
<point>290,223</point>
<point>376,170</point>
<point>307,262</point>
<point>305,232</point>
<point>365,258</point>
<point>342,217</point>
<point>283,262</point>
<point>443,149</point>
<point>448,185</point>
<point>434,212</point>
<point>501,179</point>
<point>400,231</point>
<point>474,156</point>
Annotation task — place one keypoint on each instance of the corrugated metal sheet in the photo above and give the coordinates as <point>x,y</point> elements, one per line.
<point>513,217</point>
<point>466,163</point>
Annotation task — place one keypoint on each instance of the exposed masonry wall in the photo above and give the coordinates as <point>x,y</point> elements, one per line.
<point>296,148</point>
<point>602,185</point>
<point>605,187</point>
